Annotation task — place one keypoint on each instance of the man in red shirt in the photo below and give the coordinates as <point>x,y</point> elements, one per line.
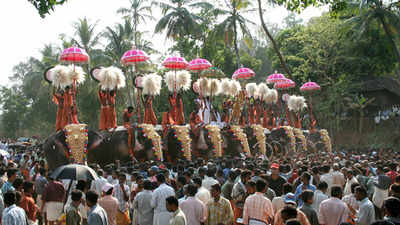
<point>392,173</point>
<point>53,198</point>
<point>28,204</point>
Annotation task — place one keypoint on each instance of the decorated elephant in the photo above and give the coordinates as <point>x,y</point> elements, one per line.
<point>319,140</point>
<point>102,147</point>
<point>236,141</point>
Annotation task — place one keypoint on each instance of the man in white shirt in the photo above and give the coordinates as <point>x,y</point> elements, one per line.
<point>333,211</point>
<point>202,193</point>
<point>337,177</point>
<point>121,193</point>
<point>97,185</point>
<point>209,180</point>
<point>366,214</point>
<point>160,194</point>
<point>320,196</point>
<point>194,209</point>
<point>350,180</point>
<point>327,177</point>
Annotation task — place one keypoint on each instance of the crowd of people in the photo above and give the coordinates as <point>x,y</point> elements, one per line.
<point>344,187</point>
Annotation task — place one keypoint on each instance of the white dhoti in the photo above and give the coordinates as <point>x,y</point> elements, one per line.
<point>161,218</point>
<point>54,210</point>
<point>379,196</point>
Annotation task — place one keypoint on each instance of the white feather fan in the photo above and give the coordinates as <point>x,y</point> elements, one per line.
<point>215,85</point>
<point>272,97</point>
<point>77,74</point>
<point>120,78</point>
<point>225,86</point>
<point>151,84</point>
<point>204,86</point>
<point>183,80</point>
<point>235,88</point>
<point>296,103</point>
<point>251,89</point>
<point>169,79</point>
<point>60,76</point>
<point>263,91</point>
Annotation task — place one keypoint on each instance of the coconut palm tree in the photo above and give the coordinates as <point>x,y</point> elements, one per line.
<point>234,21</point>
<point>137,13</point>
<point>384,13</point>
<point>178,18</point>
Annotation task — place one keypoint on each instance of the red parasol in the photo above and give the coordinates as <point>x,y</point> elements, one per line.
<point>134,56</point>
<point>74,55</point>
<point>275,77</point>
<point>243,73</point>
<point>284,84</point>
<point>310,87</point>
<point>199,64</point>
<point>175,63</point>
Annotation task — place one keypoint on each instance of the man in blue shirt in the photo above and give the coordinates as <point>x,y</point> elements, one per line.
<point>8,186</point>
<point>305,185</point>
<point>96,215</point>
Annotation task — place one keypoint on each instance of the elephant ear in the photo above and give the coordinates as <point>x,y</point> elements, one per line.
<point>47,75</point>
<point>95,74</point>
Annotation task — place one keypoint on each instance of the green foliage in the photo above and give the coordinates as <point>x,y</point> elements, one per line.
<point>45,6</point>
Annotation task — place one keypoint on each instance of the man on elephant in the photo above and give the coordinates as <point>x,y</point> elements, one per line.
<point>58,99</point>
<point>108,117</point>
<point>126,117</point>
<point>195,122</point>
<point>149,115</point>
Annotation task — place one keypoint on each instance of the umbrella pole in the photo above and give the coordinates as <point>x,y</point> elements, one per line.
<point>67,193</point>
<point>138,97</point>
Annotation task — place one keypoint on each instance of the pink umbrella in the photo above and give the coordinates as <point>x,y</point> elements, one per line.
<point>134,56</point>
<point>175,63</point>
<point>310,87</point>
<point>243,73</point>
<point>284,84</point>
<point>199,64</point>
<point>275,77</point>
<point>74,55</point>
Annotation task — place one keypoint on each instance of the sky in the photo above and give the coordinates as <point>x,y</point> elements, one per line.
<point>24,32</point>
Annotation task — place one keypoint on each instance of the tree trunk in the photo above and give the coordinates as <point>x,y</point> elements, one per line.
<point>283,63</point>
<point>236,45</point>
<point>389,36</point>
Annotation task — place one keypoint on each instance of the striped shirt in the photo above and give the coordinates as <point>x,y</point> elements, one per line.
<point>258,207</point>
<point>219,212</point>
<point>14,215</point>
